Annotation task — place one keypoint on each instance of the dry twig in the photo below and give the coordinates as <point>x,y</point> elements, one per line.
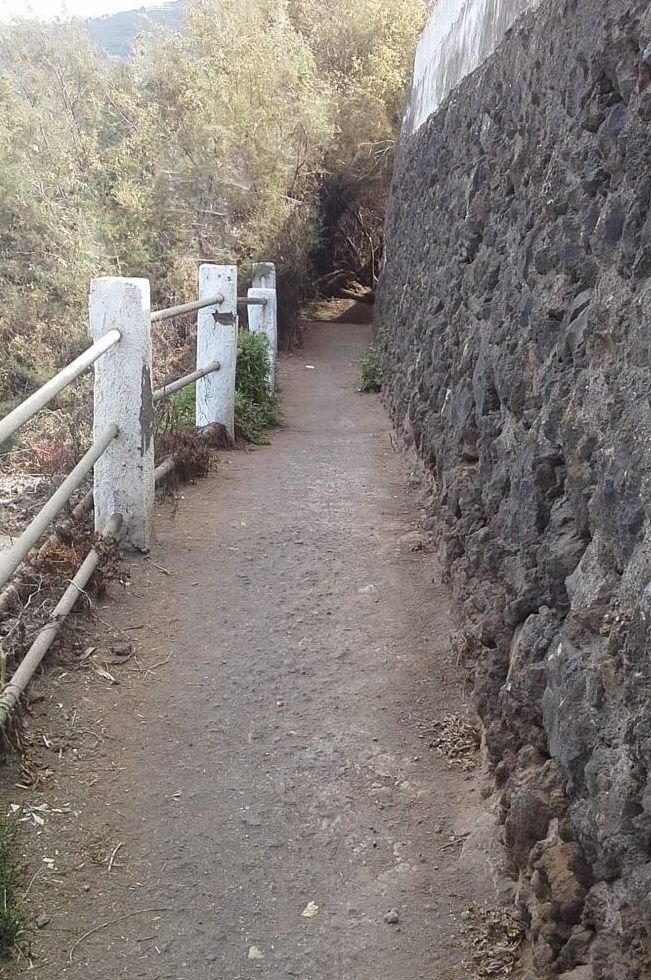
<point>160,568</point>
<point>113,854</point>
<point>111,922</point>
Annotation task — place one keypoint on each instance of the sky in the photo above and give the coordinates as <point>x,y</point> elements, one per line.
<point>50,9</point>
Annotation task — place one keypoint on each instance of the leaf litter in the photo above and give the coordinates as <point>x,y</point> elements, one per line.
<point>496,936</point>
<point>458,740</point>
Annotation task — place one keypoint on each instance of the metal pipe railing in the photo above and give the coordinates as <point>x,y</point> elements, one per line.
<point>11,559</point>
<point>10,696</point>
<point>183,382</point>
<point>113,301</point>
<point>165,469</point>
<point>11,592</point>
<point>173,311</point>
<point>32,405</point>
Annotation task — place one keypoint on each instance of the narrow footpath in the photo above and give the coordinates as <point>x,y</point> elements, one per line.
<point>256,791</point>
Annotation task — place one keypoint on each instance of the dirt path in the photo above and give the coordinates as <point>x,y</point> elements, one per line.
<point>279,757</point>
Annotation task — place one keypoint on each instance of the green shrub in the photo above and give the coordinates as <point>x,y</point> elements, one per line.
<point>255,407</point>
<point>256,410</point>
<point>254,420</point>
<point>12,923</point>
<point>180,410</point>
<point>371,371</point>
<point>252,367</point>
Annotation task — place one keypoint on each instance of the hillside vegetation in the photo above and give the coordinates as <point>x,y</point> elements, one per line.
<point>265,130</point>
<point>117,34</point>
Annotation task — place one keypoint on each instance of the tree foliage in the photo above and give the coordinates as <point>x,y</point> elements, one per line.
<point>265,129</point>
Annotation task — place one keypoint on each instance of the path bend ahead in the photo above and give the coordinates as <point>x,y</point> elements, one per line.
<point>275,760</point>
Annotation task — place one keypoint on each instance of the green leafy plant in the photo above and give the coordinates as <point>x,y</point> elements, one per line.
<point>253,421</point>
<point>12,921</point>
<point>371,371</point>
<point>180,411</point>
<point>256,409</point>
<point>252,367</point>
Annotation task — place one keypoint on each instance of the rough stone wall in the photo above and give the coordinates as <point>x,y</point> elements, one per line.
<point>515,310</point>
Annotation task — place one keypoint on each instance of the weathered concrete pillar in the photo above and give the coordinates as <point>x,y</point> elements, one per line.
<point>217,341</point>
<point>124,475</point>
<point>264,275</point>
<point>264,319</point>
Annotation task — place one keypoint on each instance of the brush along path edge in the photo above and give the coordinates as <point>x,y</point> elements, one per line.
<point>14,690</point>
<point>260,759</point>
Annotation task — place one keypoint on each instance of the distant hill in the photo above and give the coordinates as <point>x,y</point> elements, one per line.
<point>116,33</point>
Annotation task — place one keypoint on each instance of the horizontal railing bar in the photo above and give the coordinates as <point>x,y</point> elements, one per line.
<point>173,311</point>
<point>183,382</point>
<point>87,502</point>
<point>250,301</point>
<point>10,696</point>
<point>164,469</point>
<point>83,508</point>
<point>11,559</point>
<point>32,405</point>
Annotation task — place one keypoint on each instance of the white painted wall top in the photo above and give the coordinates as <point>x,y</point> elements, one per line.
<point>459,36</point>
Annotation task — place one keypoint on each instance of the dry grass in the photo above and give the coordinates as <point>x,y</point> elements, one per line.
<point>457,740</point>
<point>192,453</point>
<point>496,936</point>
<point>12,923</point>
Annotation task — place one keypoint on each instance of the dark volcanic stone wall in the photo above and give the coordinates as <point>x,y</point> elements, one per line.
<point>515,310</point>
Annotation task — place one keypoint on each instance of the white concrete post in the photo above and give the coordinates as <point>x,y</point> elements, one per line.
<point>264,275</point>
<point>124,475</point>
<point>264,319</point>
<point>217,341</point>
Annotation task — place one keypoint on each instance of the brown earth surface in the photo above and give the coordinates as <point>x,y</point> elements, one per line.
<point>259,786</point>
